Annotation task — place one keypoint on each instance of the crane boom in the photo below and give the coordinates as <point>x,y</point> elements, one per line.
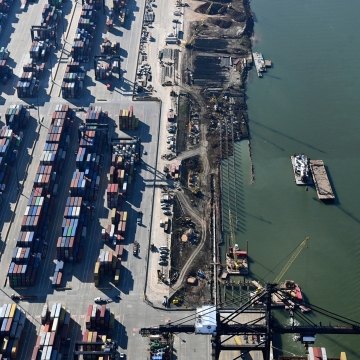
<point>292,258</point>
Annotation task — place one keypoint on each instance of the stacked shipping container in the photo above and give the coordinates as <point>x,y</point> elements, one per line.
<point>12,322</point>
<point>108,264</point>
<point>54,329</point>
<point>73,80</point>
<point>127,120</point>
<point>74,75</point>
<point>57,277</point>
<point>99,325</point>
<point>28,84</point>
<point>83,188</point>
<point>16,117</point>
<point>22,269</point>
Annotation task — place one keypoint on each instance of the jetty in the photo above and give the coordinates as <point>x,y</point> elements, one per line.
<point>321,180</point>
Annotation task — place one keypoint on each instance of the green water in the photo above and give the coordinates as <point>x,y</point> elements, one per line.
<point>308,102</point>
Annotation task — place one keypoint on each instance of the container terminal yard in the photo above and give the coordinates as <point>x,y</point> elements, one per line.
<point>96,182</point>
<point>75,178</point>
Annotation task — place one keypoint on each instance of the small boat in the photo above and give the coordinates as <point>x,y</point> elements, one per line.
<point>292,289</point>
<point>301,168</point>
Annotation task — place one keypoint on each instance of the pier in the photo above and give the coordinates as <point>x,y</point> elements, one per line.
<point>321,180</point>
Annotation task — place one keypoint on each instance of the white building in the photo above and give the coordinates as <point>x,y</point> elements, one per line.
<point>205,322</point>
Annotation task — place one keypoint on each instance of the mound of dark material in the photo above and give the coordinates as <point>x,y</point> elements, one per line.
<point>221,22</point>
<point>216,45</point>
<point>211,9</point>
<point>207,69</point>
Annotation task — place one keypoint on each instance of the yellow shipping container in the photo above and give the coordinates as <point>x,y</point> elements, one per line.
<point>96,270</point>
<point>343,356</point>
<point>12,311</point>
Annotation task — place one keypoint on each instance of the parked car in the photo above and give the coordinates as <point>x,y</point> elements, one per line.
<point>163,263</point>
<point>167,212</point>
<point>164,248</point>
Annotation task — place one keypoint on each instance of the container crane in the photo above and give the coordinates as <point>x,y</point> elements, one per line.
<point>231,325</point>
<point>292,258</point>
<point>267,328</point>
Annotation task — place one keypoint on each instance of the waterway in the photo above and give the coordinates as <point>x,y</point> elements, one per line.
<point>308,102</point>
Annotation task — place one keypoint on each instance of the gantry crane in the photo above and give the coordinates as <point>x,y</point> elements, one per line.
<point>232,325</point>
<point>265,327</point>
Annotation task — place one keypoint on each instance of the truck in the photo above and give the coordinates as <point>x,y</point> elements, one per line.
<point>139,218</point>
<point>136,248</point>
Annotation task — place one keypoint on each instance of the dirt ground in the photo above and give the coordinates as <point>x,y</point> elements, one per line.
<point>214,73</point>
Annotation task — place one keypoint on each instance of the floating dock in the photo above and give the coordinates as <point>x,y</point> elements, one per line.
<point>321,180</point>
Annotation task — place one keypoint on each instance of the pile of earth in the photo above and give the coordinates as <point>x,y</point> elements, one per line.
<point>224,23</point>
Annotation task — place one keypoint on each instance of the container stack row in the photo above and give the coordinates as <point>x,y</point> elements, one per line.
<point>99,328</point>
<point>58,273</point>
<point>100,319</point>
<point>53,331</point>
<point>115,231</point>
<point>73,81</point>
<point>31,244</point>
<point>5,70</point>
<point>95,115</point>
<point>83,189</point>
<point>81,47</point>
<point>119,7</point>
<point>50,18</point>
<point>16,118</point>
<point>12,322</point>
<point>125,155</point>
<point>127,119</point>
<point>108,264</point>
<point>43,37</point>
<point>76,215</point>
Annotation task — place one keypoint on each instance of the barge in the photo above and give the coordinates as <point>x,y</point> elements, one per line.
<point>259,63</point>
<point>321,180</point>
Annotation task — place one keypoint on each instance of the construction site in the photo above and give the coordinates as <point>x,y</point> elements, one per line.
<point>216,56</point>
